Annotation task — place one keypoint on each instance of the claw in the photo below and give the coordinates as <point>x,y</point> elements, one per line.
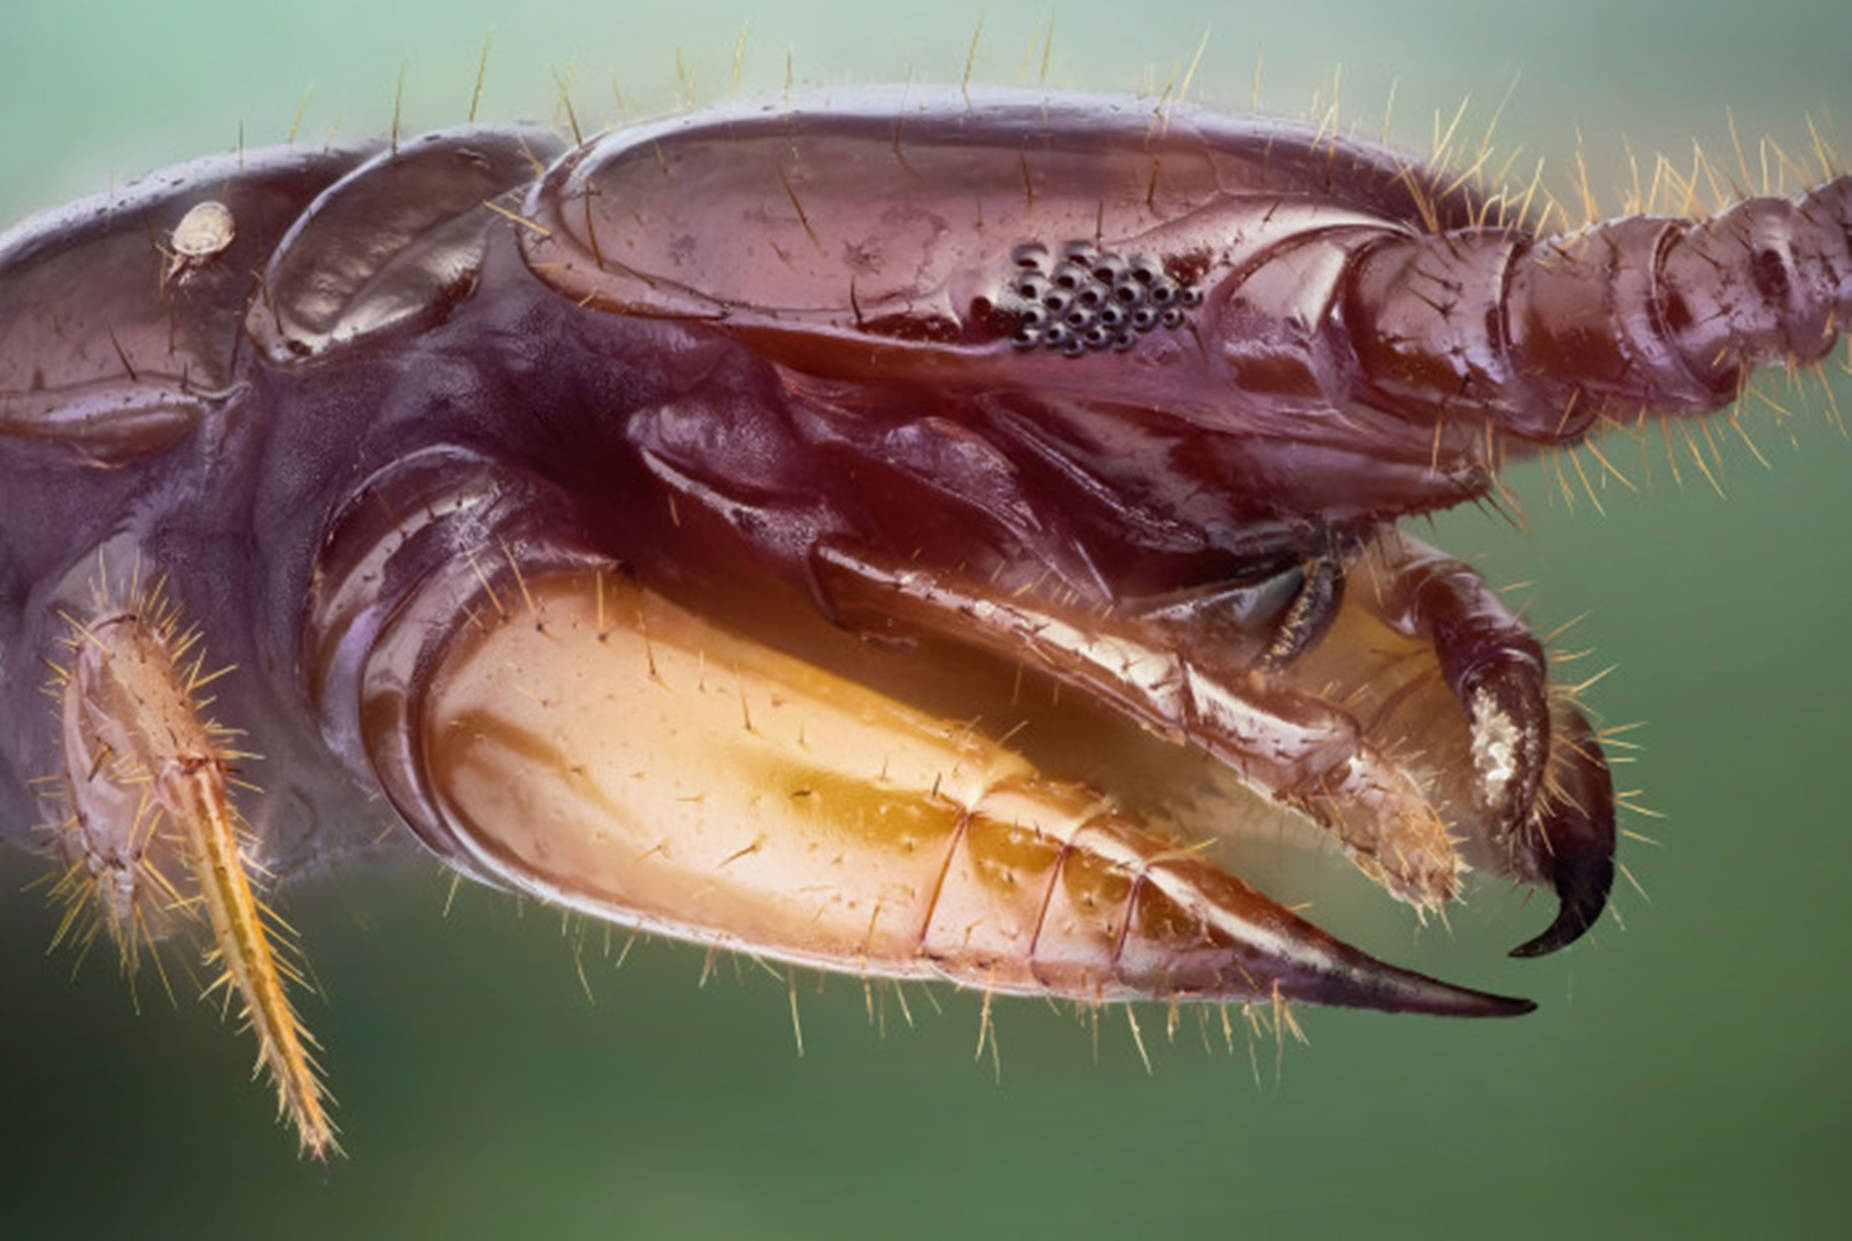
<point>1570,839</point>
<point>1520,777</point>
<point>1246,937</point>
<point>615,753</point>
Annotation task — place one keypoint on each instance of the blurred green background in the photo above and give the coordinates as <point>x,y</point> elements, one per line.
<point>1687,1074</point>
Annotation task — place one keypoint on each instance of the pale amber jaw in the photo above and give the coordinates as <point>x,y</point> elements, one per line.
<point>603,748</point>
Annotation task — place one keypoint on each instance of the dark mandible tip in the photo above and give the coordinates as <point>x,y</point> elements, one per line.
<point>1582,887</point>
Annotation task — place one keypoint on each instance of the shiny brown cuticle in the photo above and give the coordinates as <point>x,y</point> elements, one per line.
<point>961,555</point>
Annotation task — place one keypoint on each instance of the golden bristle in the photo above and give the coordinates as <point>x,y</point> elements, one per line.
<point>133,718</point>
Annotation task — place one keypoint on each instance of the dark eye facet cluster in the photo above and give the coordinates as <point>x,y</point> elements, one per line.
<point>1087,298</point>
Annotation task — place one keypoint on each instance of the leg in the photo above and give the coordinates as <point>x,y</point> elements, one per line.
<point>1309,617</point>
<point>151,838</point>
<point>1178,673</point>
<point>1490,661</point>
<point>1542,783</point>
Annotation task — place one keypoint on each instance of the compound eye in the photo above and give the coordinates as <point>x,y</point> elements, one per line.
<point>1109,269</point>
<point>1100,299</point>
<point>1146,270</point>
<point>1031,256</point>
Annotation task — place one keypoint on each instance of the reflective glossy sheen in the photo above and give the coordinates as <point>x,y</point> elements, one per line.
<point>901,532</point>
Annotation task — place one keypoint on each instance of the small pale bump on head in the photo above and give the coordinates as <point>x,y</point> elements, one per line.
<point>204,232</point>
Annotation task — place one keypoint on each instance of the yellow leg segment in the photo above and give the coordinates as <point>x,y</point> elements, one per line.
<point>152,833</point>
